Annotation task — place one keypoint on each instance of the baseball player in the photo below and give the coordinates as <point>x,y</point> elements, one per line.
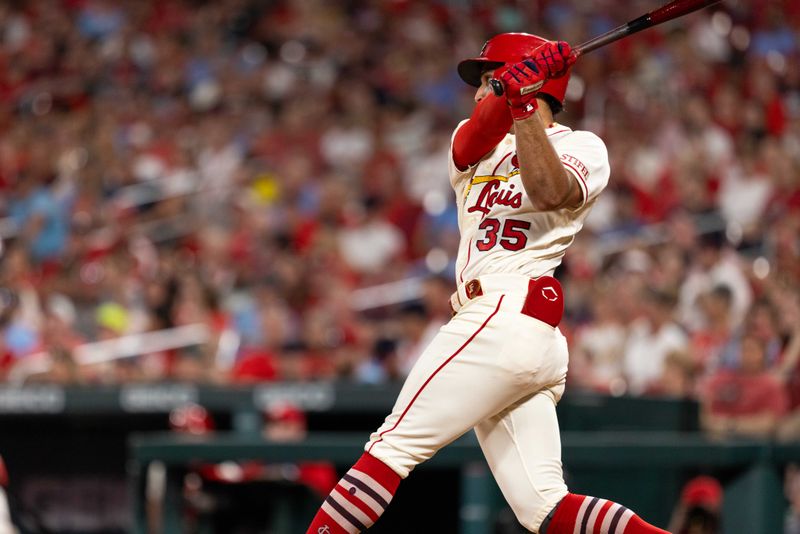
<point>524,185</point>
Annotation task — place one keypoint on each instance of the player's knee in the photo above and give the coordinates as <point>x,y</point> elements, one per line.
<point>527,518</point>
<point>532,513</point>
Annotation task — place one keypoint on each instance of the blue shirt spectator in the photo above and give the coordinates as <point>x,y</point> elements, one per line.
<point>49,218</point>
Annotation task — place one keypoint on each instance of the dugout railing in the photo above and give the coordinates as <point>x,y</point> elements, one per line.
<point>637,451</point>
<point>644,470</point>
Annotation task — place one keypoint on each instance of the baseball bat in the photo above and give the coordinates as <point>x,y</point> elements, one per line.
<point>667,12</point>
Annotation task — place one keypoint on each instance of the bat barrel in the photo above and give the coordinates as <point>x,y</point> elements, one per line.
<point>679,8</point>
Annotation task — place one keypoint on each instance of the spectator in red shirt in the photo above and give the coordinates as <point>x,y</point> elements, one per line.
<point>748,401</point>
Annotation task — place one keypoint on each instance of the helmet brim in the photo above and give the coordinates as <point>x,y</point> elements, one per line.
<point>472,69</point>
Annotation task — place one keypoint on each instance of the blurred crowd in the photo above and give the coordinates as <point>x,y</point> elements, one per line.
<point>251,166</point>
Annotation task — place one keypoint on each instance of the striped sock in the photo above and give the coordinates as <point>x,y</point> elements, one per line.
<point>579,514</point>
<point>358,500</point>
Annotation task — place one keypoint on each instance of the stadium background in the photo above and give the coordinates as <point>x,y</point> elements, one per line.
<point>252,197</point>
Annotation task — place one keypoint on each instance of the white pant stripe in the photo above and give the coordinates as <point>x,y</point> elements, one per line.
<point>623,522</point>
<point>595,513</point>
<point>609,517</point>
<point>341,521</point>
<point>581,512</point>
<point>372,483</point>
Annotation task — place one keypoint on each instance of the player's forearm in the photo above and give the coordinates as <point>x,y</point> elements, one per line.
<point>546,181</point>
<point>489,123</point>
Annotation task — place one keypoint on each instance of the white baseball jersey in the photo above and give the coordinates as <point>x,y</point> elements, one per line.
<point>501,232</point>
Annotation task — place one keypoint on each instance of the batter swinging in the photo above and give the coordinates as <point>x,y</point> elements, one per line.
<point>524,185</point>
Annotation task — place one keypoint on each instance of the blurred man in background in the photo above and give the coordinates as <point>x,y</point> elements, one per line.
<point>699,510</point>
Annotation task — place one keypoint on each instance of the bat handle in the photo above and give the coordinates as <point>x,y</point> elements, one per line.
<point>497,85</point>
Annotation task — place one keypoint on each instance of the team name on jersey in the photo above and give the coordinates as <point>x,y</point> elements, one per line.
<point>493,193</point>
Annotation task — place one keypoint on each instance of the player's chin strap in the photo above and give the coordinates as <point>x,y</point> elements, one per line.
<point>546,522</point>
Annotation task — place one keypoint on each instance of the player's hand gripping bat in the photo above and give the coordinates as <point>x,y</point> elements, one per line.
<point>673,10</point>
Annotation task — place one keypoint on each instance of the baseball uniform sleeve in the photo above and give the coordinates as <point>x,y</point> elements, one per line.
<point>457,176</point>
<point>487,126</point>
<point>585,157</point>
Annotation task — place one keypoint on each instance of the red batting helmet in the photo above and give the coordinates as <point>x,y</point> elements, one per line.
<point>509,48</point>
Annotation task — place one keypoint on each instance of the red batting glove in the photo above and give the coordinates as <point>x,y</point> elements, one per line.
<point>554,58</point>
<point>521,82</point>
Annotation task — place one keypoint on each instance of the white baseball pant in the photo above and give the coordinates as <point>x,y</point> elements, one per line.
<point>500,372</point>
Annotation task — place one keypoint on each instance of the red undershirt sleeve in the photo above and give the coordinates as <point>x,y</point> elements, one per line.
<point>488,125</point>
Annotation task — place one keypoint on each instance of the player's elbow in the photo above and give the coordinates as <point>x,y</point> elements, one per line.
<point>555,195</point>
<point>548,199</point>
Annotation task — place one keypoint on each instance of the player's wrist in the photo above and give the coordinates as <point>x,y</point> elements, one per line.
<point>521,81</point>
<point>521,111</point>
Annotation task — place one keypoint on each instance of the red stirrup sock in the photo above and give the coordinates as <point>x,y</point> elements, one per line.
<point>358,500</point>
<point>590,515</point>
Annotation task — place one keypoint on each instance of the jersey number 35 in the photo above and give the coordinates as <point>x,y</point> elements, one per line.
<point>512,237</point>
